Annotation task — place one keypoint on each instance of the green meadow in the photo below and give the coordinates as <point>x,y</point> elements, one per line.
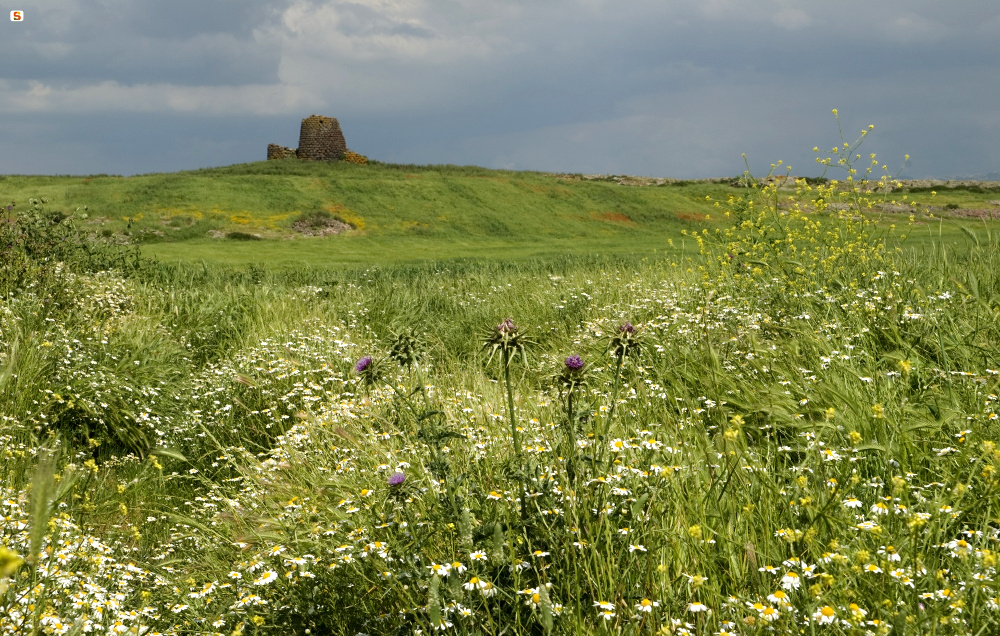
<point>396,213</point>
<point>303,398</point>
<point>275,213</point>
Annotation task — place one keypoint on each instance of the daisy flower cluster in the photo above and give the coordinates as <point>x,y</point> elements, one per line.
<point>78,582</point>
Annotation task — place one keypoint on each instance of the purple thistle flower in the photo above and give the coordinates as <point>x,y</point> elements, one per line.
<point>627,328</point>
<point>574,363</point>
<point>396,480</point>
<point>507,326</point>
<point>363,364</point>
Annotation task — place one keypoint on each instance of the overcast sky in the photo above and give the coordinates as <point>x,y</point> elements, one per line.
<point>677,88</point>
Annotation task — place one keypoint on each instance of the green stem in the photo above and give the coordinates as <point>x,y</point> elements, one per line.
<point>513,430</point>
<point>614,402</point>
<point>570,439</point>
<point>510,404</point>
<point>423,386</point>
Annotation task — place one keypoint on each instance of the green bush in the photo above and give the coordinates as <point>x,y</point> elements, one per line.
<point>39,246</point>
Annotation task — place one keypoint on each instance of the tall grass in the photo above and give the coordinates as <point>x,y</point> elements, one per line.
<point>795,432</point>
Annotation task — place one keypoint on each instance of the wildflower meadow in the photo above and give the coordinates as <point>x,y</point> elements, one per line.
<point>794,430</point>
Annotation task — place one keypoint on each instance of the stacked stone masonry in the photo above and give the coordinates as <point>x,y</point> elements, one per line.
<point>320,139</point>
<point>274,151</point>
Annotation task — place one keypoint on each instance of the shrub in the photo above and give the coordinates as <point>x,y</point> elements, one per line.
<point>39,248</point>
<point>822,233</point>
<point>65,288</point>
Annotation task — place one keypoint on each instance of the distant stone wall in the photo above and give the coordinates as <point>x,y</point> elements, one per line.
<point>320,139</point>
<point>274,151</point>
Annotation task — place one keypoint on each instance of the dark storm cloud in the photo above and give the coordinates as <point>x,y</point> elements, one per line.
<point>677,87</point>
<point>188,42</point>
<point>186,19</point>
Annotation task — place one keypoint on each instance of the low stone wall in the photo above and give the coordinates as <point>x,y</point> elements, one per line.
<point>274,151</point>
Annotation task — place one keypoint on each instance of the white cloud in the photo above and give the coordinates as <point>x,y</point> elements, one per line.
<point>392,56</point>
<point>405,32</point>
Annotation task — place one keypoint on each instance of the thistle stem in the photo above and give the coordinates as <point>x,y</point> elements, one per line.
<point>510,404</point>
<point>570,438</point>
<point>513,428</point>
<point>606,426</point>
<point>614,391</point>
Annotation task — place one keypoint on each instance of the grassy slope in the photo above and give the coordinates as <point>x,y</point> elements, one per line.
<point>403,213</point>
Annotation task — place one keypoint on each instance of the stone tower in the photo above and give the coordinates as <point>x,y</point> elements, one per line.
<point>321,139</point>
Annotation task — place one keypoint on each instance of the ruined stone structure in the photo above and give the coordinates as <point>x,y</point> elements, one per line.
<point>274,151</point>
<point>320,139</point>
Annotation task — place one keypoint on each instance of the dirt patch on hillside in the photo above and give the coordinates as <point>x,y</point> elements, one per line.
<point>692,216</point>
<point>628,180</point>
<point>614,217</point>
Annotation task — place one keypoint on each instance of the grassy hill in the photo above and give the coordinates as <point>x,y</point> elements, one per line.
<point>394,212</point>
<point>291,213</point>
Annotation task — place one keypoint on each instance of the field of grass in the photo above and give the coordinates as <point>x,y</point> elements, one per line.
<point>785,422</point>
<point>395,212</point>
<point>272,211</point>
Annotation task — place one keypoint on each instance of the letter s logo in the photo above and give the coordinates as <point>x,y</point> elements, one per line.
<point>16,16</point>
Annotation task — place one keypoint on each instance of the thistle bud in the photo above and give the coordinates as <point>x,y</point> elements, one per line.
<point>507,326</point>
<point>363,365</point>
